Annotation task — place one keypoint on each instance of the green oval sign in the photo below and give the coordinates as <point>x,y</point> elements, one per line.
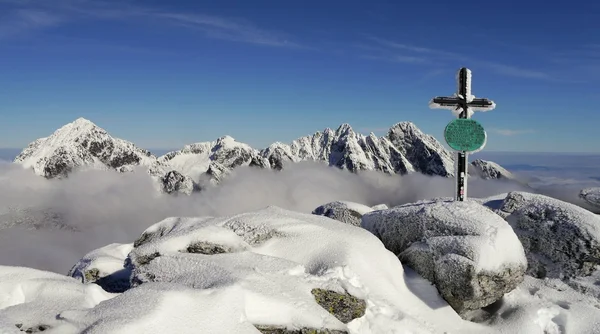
<point>464,134</point>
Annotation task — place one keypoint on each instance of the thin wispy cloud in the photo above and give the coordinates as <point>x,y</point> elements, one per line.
<point>399,59</point>
<point>411,48</point>
<point>36,15</point>
<point>21,21</point>
<point>436,56</point>
<point>509,132</point>
<point>227,29</point>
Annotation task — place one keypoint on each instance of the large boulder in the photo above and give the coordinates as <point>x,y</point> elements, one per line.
<point>561,240</point>
<point>591,196</point>
<point>346,212</point>
<point>173,182</point>
<point>298,273</point>
<point>470,253</point>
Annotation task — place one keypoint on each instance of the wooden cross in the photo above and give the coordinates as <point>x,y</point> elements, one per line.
<point>463,103</point>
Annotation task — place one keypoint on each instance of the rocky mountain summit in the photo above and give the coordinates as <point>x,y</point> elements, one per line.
<point>81,144</point>
<point>404,149</point>
<point>489,170</point>
<point>209,161</point>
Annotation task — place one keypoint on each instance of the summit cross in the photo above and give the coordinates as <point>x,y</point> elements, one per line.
<point>462,104</point>
<point>463,101</point>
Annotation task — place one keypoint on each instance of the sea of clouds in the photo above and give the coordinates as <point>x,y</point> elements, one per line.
<point>94,208</point>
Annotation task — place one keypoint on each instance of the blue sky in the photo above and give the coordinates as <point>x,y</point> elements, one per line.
<point>164,74</point>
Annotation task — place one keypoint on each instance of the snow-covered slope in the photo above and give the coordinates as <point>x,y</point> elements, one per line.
<point>278,271</point>
<point>77,144</point>
<point>489,170</point>
<point>403,150</point>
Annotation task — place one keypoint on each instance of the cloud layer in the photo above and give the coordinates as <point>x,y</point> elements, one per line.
<point>94,208</point>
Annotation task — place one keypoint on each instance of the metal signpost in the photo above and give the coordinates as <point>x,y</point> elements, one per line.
<point>463,134</point>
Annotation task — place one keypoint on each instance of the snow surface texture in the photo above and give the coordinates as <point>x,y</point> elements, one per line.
<point>542,306</point>
<point>346,212</point>
<point>591,195</point>
<point>32,298</point>
<point>81,144</point>
<point>470,253</point>
<point>275,257</point>
<point>562,240</point>
<point>271,260</point>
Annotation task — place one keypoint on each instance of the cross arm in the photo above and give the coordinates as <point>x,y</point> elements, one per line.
<point>442,102</point>
<point>481,104</point>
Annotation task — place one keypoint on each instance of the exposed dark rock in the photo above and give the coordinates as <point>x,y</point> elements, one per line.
<point>344,307</point>
<point>281,330</point>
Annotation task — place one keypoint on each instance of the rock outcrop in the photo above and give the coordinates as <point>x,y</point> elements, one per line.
<point>591,196</point>
<point>470,253</point>
<point>346,212</point>
<point>561,240</point>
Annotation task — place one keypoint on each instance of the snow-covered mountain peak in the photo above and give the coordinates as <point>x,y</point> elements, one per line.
<point>228,142</point>
<point>344,129</point>
<point>82,122</point>
<point>77,129</point>
<point>407,128</point>
<point>214,159</point>
<point>490,170</point>
<point>77,144</point>
<point>423,151</point>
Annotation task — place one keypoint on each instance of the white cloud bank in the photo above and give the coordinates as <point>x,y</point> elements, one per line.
<point>94,208</point>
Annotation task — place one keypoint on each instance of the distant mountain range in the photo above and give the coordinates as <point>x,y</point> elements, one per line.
<point>404,149</point>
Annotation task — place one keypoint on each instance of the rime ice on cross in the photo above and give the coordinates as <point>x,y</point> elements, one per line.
<point>462,104</point>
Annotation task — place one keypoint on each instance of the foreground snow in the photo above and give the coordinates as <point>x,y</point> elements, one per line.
<point>235,274</point>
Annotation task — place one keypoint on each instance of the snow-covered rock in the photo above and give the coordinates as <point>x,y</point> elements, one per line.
<point>591,195</point>
<point>31,299</point>
<point>81,144</point>
<point>174,182</point>
<point>278,262</point>
<point>489,170</point>
<point>470,253</point>
<point>346,212</point>
<point>560,239</point>
<point>380,207</point>
<point>106,267</point>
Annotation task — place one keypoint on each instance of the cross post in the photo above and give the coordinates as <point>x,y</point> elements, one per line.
<point>462,104</point>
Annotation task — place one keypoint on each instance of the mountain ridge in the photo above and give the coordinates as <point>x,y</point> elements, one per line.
<point>82,144</point>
